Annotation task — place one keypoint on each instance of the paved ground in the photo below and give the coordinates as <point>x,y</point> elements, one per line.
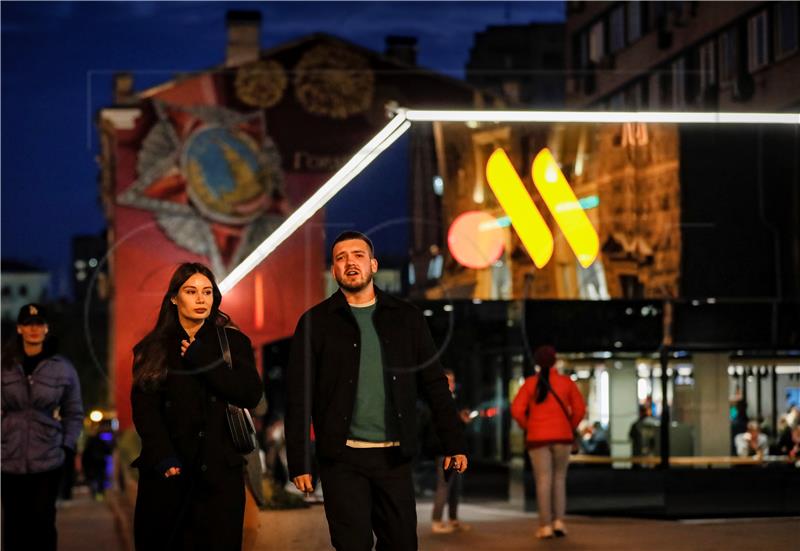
<point>496,527</point>
<point>88,525</point>
<point>85,524</point>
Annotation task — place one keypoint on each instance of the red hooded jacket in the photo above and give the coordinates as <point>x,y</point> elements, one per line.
<point>545,422</point>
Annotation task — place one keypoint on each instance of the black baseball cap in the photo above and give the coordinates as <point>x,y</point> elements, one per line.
<point>31,314</point>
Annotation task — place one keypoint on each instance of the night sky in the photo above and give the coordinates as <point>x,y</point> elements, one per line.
<point>57,61</point>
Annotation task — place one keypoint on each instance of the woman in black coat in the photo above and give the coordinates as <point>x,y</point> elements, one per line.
<point>191,485</point>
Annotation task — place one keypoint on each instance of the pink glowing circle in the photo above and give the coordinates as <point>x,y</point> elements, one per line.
<point>475,239</point>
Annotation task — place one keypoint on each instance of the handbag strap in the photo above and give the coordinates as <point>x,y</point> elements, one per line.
<point>226,347</point>
<point>558,399</point>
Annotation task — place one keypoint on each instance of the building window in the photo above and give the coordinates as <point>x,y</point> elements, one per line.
<point>757,45</point>
<point>665,86</point>
<point>708,65</point>
<point>617,102</point>
<point>6,291</point>
<point>727,55</point>
<point>679,82</point>
<point>634,21</point>
<point>785,29</point>
<point>580,55</point>
<point>653,89</point>
<point>23,290</point>
<point>635,97</point>
<point>616,29</point>
<point>597,42</point>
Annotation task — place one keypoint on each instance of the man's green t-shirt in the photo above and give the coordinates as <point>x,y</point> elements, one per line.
<point>372,421</point>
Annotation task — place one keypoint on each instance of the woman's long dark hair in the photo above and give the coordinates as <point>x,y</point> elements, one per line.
<point>150,354</point>
<point>545,358</point>
<point>12,352</point>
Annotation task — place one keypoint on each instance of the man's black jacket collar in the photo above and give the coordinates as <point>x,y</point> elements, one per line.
<point>338,301</point>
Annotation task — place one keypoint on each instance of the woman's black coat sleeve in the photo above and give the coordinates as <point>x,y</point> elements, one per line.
<point>152,428</point>
<point>299,382</point>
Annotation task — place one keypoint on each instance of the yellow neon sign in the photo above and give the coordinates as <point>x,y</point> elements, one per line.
<point>518,204</point>
<point>526,218</point>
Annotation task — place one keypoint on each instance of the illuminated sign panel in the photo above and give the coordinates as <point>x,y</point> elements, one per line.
<point>568,212</point>
<point>526,218</point>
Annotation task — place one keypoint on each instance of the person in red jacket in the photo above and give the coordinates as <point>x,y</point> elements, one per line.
<point>548,407</point>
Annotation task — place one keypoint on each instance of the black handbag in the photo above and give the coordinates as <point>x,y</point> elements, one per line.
<point>240,423</point>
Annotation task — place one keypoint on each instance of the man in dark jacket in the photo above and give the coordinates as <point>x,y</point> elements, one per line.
<point>42,415</point>
<point>357,363</point>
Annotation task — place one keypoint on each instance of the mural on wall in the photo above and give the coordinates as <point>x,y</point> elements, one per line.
<point>334,81</point>
<point>212,178</point>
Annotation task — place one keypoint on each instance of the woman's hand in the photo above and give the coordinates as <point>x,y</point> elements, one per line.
<point>185,345</point>
<point>172,471</point>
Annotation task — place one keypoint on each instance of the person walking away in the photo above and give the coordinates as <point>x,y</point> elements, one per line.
<point>549,407</point>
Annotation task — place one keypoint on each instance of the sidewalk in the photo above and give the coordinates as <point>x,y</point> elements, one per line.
<point>497,527</point>
<point>86,524</point>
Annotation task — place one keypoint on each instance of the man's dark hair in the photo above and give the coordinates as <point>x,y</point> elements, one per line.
<point>352,234</point>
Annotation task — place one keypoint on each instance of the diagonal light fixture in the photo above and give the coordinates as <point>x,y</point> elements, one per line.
<point>352,168</point>
<point>402,122</point>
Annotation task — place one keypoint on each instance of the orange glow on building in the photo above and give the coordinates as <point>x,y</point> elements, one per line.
<point>475,239</point>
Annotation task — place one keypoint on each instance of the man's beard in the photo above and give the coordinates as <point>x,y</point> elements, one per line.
<point>354,288</point>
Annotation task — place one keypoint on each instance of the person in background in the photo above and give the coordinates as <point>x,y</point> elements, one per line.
<point>94,459</point>
<point>42,417</point>
<point>752,443</point>
<point>794,451</point>
<point>254,486</point>
<point>549,407</point>
<point>786,425</point>
<point>594,440</point>
<point>643,435</point>
<point>448,491</point>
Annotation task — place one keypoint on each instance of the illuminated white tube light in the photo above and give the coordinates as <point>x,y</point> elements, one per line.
<point>402,121</point>
<point>419,115</point>
<point>382,140</point>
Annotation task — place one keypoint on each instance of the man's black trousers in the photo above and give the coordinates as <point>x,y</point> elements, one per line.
<point>370,490</point>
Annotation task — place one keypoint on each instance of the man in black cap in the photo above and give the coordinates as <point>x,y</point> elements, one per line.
<point>42,418</point>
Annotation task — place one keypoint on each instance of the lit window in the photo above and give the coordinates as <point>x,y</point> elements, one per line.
<point>435,267</point>
<point>707,55</point>
<point>438,185</point>
<point>596,42</point>
<point>634,21</point>
<point>757,52</point>
<point>785,29</point>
